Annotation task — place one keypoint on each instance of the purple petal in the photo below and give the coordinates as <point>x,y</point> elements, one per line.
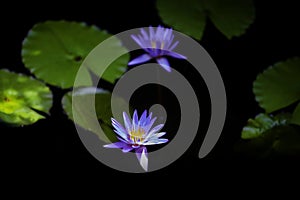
<point>118,145</point>
<point>157,45</point>
<point>143,118</point>
<point>155,129</point>
<point>126,141</point>
<point>164,63</point>
<point>142,156</point>
<point>159,32</point>
<point>171,39</point>
<point>151,33</point>
<point>144,160</point>
<point>119,129</point>
<point>150,116</point>
<point>138,152</point>
<point>141,59</point>
<point>175,55</point>
<point>169,42</point>
<point>166,34</point>
<point>145,35</point>
<point>147,120</point>
<point>155,141</point>
<point>160,134</point>
<point>149,50</point>
<point>162,140</point>
<point>127,148</point>
<point>142,41</point>
<point>135,120</point>
<point>155,52</point>
<point>154,137</point>
<point>152,132</point>
<point>173,46</point>
<point>127,122</point>
<point>170,36</point>
<point>149,125</point>
<point>136,40</point>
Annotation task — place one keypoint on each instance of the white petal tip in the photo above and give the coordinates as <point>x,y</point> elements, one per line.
<point>144,161</point>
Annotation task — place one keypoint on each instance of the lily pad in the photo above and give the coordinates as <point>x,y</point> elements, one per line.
<point>280,142</point>
<point>188,17</point>
<point>54,50</point>
<point>84,116</point>
<point>262,123</point>
<point>22,99</point>
<point>231,17</point>
<point>278,86</point>
<point>296,116</point>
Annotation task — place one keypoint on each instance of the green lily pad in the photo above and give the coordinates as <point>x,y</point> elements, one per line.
<point>231,17</point>
<point>21,99</point>
<point>278,142</point>
<point>54,50</point>
<point>84,116</point>
<point>188,17</point>
<point>296,116</point>
<point>262,123</point>
<point>278,86</point>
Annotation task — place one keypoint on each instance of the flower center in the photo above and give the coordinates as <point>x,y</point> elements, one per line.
<point>137,135</point>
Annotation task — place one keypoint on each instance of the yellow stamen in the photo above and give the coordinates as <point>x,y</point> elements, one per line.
<point>137,135</point>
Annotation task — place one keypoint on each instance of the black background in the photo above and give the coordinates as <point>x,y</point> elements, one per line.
<point>53,143</point>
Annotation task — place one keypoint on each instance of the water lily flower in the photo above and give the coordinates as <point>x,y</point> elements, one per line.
<point>157,45</point>
<point>136,135</point>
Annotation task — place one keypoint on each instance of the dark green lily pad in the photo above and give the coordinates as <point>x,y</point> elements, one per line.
<point>262,123</point>
<point>54,50</point>
<point>84,116</point>
<point>296,116</point>
<point>278,86</point>
<point>21,98</point>
<point>188,17</point>
<point>280,142</point>
<point>231,17</point>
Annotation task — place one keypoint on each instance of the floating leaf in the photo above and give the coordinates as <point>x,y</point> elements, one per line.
<point>278,86</point>
<point>231,17</point>
<point>262,123</point>
<point>188,17</point>
<point>255,127</point>
<point>21,98</point>
<point>278,142</point>
<point>54,51</point>
<point>296,116</point>
<point>85,116</point>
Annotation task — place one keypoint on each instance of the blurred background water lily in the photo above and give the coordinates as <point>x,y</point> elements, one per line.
<point>136,134</point>
<point>157,45</point>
